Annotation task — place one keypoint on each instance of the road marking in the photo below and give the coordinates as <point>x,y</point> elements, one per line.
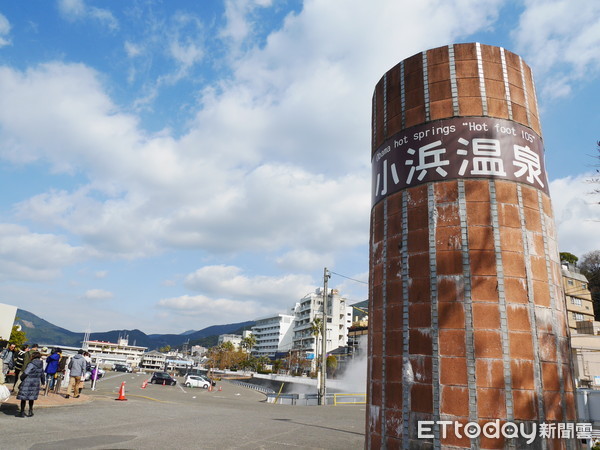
<point>150,398</point>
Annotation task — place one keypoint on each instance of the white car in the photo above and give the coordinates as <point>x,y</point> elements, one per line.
<point>196,381</point>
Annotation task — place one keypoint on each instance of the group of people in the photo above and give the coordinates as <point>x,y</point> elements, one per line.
<point>30,373</point>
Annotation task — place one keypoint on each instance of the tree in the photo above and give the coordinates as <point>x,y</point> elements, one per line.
<point>165,349</point>
<point>17,336</point>
<point>248,343</point>
<point>568,258</point>
<point>332,364</point>
<point>590,267</point>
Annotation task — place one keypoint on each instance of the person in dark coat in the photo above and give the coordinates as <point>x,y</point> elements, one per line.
<point>33,377</point>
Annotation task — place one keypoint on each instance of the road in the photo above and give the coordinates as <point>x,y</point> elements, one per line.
<point>176,417</point>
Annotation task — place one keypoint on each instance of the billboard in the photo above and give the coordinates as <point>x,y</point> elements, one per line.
<point>462,147</point>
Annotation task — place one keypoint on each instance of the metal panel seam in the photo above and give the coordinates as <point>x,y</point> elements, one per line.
<point>433,283</point>
<point>405,316</point>
<point>453,83</point>
<point>502,304</point>
<point>532,312</point>
<point>468,305</point>
<point>506,85</point>
<point>484,105</point>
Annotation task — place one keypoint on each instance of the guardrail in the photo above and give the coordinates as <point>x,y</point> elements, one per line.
<point>349,399</point>
<point>264,390</point>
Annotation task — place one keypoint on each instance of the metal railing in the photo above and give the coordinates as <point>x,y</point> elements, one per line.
<point>349,399</point>
<point>264,390</point>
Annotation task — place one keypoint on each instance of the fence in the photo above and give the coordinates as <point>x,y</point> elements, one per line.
<point>349,399</point>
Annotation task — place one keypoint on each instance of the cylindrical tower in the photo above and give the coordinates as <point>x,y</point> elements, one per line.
<point>467,318</point>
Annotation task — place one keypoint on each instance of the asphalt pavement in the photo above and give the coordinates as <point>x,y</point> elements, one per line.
<point>177,417</point>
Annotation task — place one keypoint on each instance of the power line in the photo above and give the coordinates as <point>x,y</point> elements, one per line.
<point>344,276</point>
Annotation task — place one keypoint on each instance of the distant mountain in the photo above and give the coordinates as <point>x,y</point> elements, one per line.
<point>188,332</point>
<point>175,340</point>
<point>39,330</point>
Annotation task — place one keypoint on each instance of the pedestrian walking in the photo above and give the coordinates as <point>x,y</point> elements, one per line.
<point>77,368</point>
<point>52,367</point>
<point>32,379</point>
<point>19,359</point>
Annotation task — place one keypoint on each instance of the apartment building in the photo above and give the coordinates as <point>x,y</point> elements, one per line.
<point>339,319</point>
<point>577,295</point>
<point>273,334</point>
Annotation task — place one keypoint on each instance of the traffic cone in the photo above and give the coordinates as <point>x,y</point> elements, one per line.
<point>144,384</point>
<point>220,389</point>
<point>210,388</point>
<point>164,383</point>
<point>122,393</point>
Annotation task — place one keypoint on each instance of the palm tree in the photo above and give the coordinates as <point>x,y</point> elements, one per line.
<point>248,343</point>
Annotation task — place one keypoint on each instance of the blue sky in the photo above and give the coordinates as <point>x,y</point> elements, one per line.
<point>170,165</point>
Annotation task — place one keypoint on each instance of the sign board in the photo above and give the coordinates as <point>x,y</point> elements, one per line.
<point>461,147</point>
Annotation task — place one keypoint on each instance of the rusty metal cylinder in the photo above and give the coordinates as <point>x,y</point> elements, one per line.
<point>467,318</point>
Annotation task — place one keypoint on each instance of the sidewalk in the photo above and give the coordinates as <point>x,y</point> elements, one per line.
<point>50,400</point>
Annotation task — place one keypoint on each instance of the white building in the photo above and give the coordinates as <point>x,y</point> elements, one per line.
<point>235,339</point>
<point>198,350</point>
<point>339,319</point>
<point>111,353</point>
<point>273,334</point>
<point>153,360</point>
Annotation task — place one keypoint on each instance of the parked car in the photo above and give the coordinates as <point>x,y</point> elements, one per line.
<point>88,375</point>
<point>196,381</point>
<point>122,368</point>
<point>210,380</point>
<point>162,378</point>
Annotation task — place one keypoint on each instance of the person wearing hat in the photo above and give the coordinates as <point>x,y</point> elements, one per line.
<point>52,366</point>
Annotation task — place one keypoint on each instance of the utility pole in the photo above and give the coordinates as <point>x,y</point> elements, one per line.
<point>322,388</point>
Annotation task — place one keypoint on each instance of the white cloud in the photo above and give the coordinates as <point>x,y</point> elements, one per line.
<point>239,20</point>
<point>304,260</point>
<point>249,175</point>
<point>4,31</point>
<point>132,50</point>
<point>577,214</point>
<point>28,256</point>
<point>100,274</point>
<point>560,40</point>
<point>97,294</point>
<point>229,281</point>
<point>211,310</point>
<point>74,10</point>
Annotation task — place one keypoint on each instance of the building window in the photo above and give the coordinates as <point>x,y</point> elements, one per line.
<point>584,285</point>
<point>578,317</point>
<point>576,301</point>
<point>570,282</point>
